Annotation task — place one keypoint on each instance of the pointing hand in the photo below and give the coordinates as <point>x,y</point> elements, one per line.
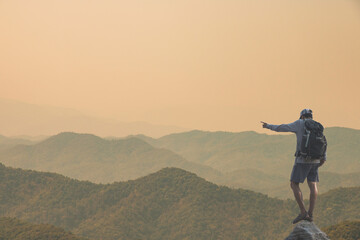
<point>264,124</point>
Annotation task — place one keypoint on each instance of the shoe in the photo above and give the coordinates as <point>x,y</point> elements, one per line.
<point>309,217</point>
<point>300,217</point>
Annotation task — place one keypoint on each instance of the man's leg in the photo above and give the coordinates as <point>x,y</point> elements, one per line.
<point>312,179</point>
<point>298,175</point>
<point>313,196</point>
<point>298,196</point>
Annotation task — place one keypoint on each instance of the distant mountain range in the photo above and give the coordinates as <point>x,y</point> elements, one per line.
<point>14,229</point>
<point>88,157</point>
<point>263,162</point>
<point>169,204</point>
<point>18,118</point>
<point>248,160</point>
<point>6,142</point>
<point>227,152</point>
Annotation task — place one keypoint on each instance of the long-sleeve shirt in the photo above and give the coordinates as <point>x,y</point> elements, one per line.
<point>298,128</point>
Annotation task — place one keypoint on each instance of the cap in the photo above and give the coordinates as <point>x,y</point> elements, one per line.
<point>305,111</point>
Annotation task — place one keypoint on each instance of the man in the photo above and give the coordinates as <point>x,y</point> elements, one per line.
<point>303,168</point>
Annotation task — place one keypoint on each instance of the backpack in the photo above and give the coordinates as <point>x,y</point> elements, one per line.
<point>313,144</point>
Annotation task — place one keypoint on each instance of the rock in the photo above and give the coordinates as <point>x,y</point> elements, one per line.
<point>307,231</point>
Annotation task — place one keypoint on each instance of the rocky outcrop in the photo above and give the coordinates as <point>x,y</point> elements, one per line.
<point>307,231</point>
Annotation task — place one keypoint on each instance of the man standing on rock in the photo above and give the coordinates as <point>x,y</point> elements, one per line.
<point>303,167</point>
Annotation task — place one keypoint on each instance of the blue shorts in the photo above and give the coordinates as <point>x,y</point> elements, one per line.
<point>301,171</point>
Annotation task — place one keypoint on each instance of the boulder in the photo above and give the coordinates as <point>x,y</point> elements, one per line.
<point>305,230</point>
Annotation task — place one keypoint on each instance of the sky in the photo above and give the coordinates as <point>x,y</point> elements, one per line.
<point>198,64</point>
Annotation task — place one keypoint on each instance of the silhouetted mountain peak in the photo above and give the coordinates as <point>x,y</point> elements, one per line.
<point>172,173</point>
<point>70,137</point>
<point>92,142</point>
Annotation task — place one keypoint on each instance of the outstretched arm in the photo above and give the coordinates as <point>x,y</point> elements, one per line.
<point>291,127</point>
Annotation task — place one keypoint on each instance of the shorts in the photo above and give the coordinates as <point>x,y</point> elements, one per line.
<point>301,171</point>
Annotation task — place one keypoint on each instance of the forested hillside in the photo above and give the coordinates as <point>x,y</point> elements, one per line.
<point>169,204</point>
<point>14,229</point>
<point>348,230</point>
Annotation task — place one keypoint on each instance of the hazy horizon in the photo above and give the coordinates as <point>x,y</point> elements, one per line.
<point>208,65</point>
<point>44,114</point>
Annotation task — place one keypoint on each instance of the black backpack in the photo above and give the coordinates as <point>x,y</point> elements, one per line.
<point>313,144</point>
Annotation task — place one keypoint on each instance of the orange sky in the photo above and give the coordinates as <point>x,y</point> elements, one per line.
<point>205,64</point>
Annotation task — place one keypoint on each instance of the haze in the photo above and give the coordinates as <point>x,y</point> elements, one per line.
<point>211,65</point>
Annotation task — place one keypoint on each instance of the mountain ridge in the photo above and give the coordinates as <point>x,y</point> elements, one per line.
<point>248,160</point>
<point>169,204</point>
<point>15,229</point>
<point>227,151</point>
<point>89,157</point>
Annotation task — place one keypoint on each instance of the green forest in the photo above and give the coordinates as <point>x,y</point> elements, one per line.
<point>169,204</point>
<point>348,230</point>
<point>14,229</point>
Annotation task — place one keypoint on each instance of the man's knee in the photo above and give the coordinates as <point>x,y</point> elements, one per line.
<point>313,187</point>
<point>294,185</point>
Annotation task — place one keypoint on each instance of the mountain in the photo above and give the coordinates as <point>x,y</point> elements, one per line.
<point>348,230</point>
<point>343,150</point>
<point>227,152</point>
<point>13,141</point>
<point>330,206</point>
<point>6,142</point>
<point>262,162</point>
<point>14,229</point>
<point>88,157</point>
<point>169,204</point>
<point>277,186</point>
<point>30,119</point>
<point>254,180</point>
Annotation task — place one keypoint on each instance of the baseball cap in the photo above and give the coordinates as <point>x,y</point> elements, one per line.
<point>305,111</point>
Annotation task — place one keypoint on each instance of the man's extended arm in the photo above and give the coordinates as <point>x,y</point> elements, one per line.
<point>291,127</point>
